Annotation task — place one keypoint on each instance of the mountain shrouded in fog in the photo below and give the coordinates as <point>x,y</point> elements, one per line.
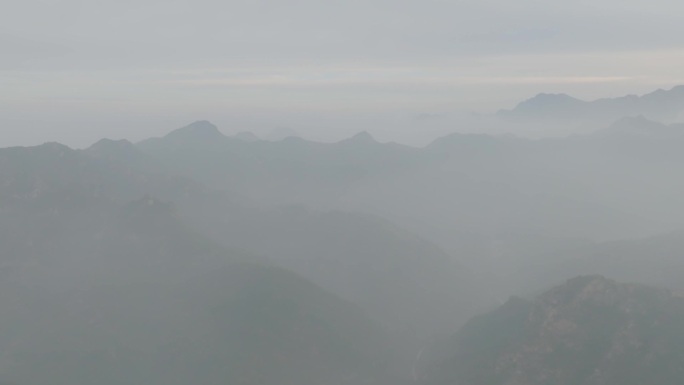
<point>661,105</point>
<point>203,258</point>
<point>590,330</point>
<point>209,192</point>
<point>94,291</point>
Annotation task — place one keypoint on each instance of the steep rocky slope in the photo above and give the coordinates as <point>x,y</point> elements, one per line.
<point>589,331</point>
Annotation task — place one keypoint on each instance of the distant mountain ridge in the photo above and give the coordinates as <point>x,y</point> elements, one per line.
<point>660,105</point>
<point>344,174</point>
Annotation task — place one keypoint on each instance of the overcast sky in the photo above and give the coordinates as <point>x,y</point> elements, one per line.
<point>77,70</point>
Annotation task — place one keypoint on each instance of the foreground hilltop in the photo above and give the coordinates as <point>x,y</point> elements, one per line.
<point>591,330</point>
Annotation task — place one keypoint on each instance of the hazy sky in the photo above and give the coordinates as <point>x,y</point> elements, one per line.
<point>78,70</point>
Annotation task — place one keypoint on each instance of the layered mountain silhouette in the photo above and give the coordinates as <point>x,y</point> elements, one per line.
<point>97,291</point>
<point>371,256</point>
<point>362,174</point>
<point>487,200</point>
<point>203,258</point>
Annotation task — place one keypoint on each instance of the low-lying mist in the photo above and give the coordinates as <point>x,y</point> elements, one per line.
<point>204,258</point>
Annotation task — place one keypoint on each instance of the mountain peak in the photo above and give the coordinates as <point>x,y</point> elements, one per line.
<point>364,136</point>
<point>361,137</point>
<point>50,149</point>
<point>114,150</point>
<point>545,99</point>
<point>201,130</point>
<point>544,104</point>
<point>54,146</point>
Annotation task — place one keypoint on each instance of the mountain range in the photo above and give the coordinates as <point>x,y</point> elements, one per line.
<point>661,105</point>
<point>204,258</point>
<point>96,291</point>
